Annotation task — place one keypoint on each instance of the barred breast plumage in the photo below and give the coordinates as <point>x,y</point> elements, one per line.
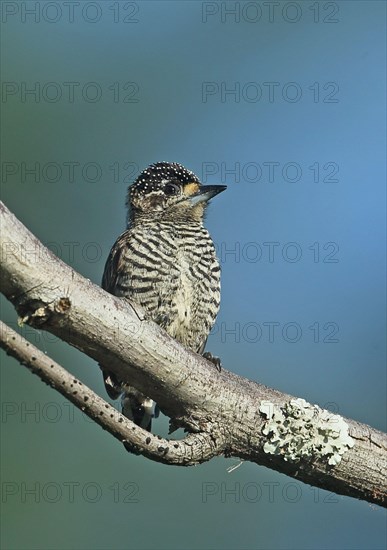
<point>166,262</point>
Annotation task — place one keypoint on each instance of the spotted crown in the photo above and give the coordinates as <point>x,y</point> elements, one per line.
<point>155,176</point>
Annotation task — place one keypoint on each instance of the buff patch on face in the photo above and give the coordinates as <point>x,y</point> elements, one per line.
<point>191,189</point>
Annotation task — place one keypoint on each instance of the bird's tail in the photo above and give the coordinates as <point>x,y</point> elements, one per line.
<point>135,405</point>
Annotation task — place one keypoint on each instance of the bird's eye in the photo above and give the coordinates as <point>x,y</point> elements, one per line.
<point>171,189</point>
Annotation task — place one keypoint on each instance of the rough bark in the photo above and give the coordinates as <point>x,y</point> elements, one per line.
<point>224,413</point>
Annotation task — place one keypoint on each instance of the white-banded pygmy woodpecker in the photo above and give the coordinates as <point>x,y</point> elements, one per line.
<point>166,262</point>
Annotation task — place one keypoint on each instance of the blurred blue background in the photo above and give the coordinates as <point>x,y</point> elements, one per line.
<point>284,102</point>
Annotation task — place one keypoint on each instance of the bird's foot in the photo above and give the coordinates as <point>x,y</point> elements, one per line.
<point>214,360</point>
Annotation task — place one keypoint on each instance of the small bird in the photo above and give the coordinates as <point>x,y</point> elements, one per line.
<point>166,262</point>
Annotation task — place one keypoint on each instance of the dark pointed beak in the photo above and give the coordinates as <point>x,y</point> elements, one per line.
<point>206,192</point>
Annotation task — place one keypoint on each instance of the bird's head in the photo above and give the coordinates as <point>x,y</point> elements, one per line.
<point>167,190</point>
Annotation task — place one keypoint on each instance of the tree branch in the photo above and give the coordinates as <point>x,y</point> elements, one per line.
<point>194,449</point>
<point>226,414</point>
